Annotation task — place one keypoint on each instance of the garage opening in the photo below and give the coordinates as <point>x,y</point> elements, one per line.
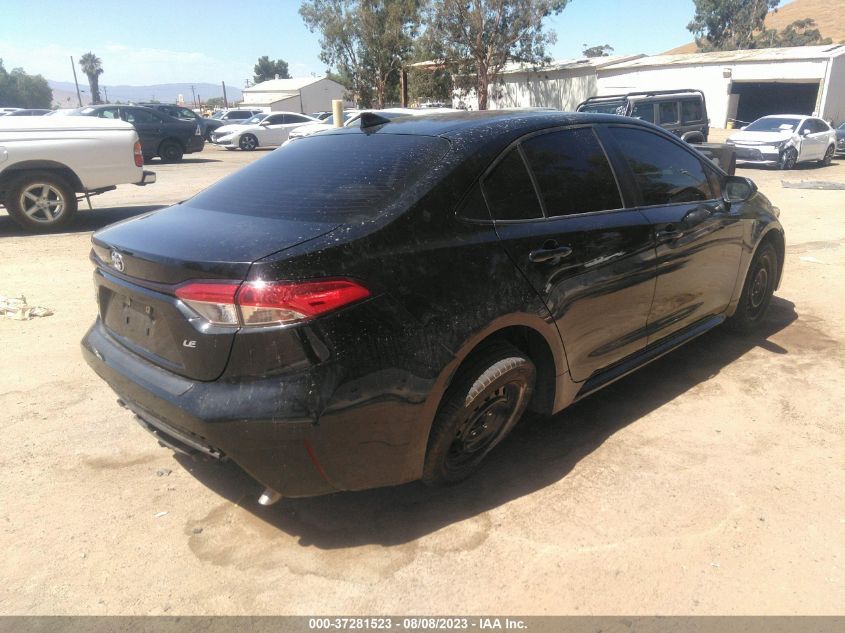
<point>762,99</point>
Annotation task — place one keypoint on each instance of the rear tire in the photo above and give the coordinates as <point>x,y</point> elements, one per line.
<point>756,291</point>
<point>170,152</point>
<point>40,201</point>
<point>828,156</point>
<point>479,409</point>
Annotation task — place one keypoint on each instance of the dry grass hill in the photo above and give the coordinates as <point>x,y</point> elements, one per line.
<point>828,14</point>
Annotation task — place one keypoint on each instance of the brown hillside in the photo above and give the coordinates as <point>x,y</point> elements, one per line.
<point>828,15</point>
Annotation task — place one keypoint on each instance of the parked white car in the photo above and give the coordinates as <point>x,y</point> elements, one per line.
<point>46,162</point>
<point>351,117</point>
<point>272,131</point>
<point>785,140</point>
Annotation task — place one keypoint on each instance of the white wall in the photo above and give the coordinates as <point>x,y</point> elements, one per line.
<point>559,89</point>
<point>318,96</point>
<point>710,78</point>
<point>833,108</point>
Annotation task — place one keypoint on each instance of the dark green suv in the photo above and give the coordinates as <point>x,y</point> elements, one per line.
<point>682,112</point>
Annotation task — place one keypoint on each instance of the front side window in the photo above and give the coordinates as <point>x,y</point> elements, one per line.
<point>276,119</point>
<point>188,115</point>
<point>665,172</point>
<point>509,191</point>
<point>572,172</point>
<point>643,111</point>
<point>108,113</point>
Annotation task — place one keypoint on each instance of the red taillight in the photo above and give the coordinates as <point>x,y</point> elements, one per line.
<point>257,303</point>
<point>139,156</point>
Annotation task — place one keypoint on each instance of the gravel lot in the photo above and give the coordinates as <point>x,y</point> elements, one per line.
<point>712,481</point>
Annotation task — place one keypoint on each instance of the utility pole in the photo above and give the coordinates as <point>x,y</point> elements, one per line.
<point>73,68</point>
<point>195,96</point>
<point>225,100</point>
<point>106,92</point>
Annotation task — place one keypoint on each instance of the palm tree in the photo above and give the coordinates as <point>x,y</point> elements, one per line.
<point>92,66</point>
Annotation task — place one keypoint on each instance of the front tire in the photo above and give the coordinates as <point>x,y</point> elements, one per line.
<point>479,409</point>
<point>248,143</point>
<point>756,291</point>
<point>788,159</point>
<point>40,201</point>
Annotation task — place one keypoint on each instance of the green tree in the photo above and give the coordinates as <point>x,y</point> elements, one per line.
<point>478,37</point>
<point>798,33</point>
<point>726,25</point>
<point>267,69</point>
<point>214,102</point>
<point>366,41</point>
<point>19,90</point>
<point>603,50</point>
<point>432,81</point>
<point>92,66</point>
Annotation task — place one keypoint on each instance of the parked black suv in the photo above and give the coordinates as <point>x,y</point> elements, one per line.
<point>160,134</point>
<point>334,324</point>
<point>182,113</point>
<point>682,112</point>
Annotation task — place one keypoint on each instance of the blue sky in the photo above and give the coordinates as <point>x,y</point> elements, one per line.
<point>155,41</point>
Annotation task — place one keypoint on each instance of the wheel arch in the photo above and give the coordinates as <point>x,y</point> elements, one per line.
<point>693,137</point>
<point>171,139</point>
<point>13,171</point>
<point>775,238</point>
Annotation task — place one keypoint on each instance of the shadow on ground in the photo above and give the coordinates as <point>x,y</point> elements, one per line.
<point>539,453</point>
<point>85,220</point>
<point>158,161</point>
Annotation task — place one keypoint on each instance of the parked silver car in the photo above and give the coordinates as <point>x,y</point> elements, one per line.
<point>785,140</point>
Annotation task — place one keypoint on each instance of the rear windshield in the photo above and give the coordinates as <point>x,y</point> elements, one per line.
<point>326,175</point>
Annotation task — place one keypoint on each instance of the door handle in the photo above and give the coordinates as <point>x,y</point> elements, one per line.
<point>669,234</point>
<point>545,254</point>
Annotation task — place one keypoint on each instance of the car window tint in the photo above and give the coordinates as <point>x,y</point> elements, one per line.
<point>295,118</point>
<point>108,113</point>
<point>644,111</point>
<point>668,112</point>
<point>142,116</point>
<point>315,178</point>
<point>572,172</point>
<point>665,172</point>
<point>276,119</point>
<point>186,114</point>
<point>691,111</point>
<point>510,192</point>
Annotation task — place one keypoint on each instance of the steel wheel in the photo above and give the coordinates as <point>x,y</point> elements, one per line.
<point>757,290</point>
<point>248,142</point>
<point>485,401</point>
<point>40,200</point>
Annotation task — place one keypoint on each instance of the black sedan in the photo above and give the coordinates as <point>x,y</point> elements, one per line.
<point>160,135</point>
<point>334,324</point>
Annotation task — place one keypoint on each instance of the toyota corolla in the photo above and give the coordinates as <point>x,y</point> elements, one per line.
<point>381,303</point>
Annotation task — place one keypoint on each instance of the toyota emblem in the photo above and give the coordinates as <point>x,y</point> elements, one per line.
<point>117,261</point>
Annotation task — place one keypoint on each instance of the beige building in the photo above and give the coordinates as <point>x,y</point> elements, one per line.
<point>304,95</point>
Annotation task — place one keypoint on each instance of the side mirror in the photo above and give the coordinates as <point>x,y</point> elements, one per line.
<point>738,189</point>
<point>265,123</point>
<point>805,132</point>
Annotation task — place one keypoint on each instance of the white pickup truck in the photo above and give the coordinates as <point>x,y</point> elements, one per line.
<point>48,163</point>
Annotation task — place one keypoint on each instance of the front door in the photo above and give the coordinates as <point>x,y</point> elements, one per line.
<point>560,215</point>
<point>699,240</point>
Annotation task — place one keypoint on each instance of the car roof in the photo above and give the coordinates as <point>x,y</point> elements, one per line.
<point>460,124</point>
<point>797,117</point>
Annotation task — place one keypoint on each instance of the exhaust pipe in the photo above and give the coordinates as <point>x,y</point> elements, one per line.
<point>269,497</point>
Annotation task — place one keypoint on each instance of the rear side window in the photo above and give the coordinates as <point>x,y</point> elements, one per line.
<point>692,111</point>
<point>572,172</point>
<point>509,190</point>
<point>327,176</point>
<point>668,112</point>
<point>665,172</point>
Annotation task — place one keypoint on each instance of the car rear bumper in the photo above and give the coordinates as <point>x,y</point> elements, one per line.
<point>147,178</point>
<point>274,439</point>
<point>300,434</point>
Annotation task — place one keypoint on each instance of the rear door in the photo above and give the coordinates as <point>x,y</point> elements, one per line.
<point>699,240</point>
<point>561,217</point>
<point>149,126</point>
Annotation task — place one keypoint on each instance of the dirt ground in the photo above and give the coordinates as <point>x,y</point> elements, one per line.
<point>710,482</point>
